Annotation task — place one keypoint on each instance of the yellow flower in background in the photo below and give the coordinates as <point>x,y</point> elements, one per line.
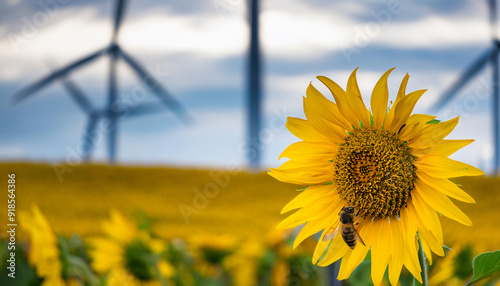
<point>391,166</point>
<point>129,255</point>
<point>244,263</point>
<point>43,251</point>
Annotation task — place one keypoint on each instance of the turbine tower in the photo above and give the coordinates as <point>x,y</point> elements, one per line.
<point>110,112</point>
<point>254,88</point>
<point>490,56</point>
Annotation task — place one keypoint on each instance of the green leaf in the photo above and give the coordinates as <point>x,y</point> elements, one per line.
<point>433,121</point>
<point>484,265</point>
<point>446,248</point>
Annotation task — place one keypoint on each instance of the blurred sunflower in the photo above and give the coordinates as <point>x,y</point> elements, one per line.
<point>43,248</point>
<point>129,255</point>
<point>391,166</point>
<point>289,266</point>
<point>210,251</point>
<point>455,268</point>
<point>243,264</point>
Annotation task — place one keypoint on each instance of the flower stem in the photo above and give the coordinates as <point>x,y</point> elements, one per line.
<point>423,265</point>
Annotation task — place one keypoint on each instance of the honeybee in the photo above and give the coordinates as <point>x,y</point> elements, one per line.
<point>347,229</point>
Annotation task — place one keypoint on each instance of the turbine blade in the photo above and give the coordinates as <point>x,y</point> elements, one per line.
<point>120,7</point>
<point>78,95</point>
<point>157,88</point>
<point>34,87</point>
<point>146,108</point>
<point>89,137</point>
<point>469,74</point>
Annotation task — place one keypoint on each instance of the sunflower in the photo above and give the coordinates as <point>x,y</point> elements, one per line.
<point>129,255</point>
<point>43,248</point>
<point>390,166</point>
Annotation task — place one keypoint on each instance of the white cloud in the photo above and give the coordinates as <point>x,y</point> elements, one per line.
<point>206,36</point>
<point>434,32</point>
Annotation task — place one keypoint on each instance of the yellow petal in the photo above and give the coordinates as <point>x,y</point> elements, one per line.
<point>312,227</point>
<point>309,195</point>
<point>341,101</point>
<point>441,203</point>
<point>401,94</point>
<point>319,208</point>
<point>411,266</point>
<point>424,231</point>
<point>309,151</point>
<point>344,264</point>
<point>381,249</point>
<point>338,249</point>
<point>326,108</point>
<point>355,100</point>
<point>321,123</point>
<point>442,167</point>
<point>433,133</point>
<point>396,263</point>
<point>446,187</point>
<point>119,227</point>
<point>305,131</point>
<point>402,88</point>
<point>443,148</point>
<point>409,227</point>
<point>426,247</point>
<point>428,215</point>
<point>321,245</point>
<point>380,96</point>
<point>301,173</point>
<point>413,126</point>
<point>404,109</point>
<point>106,254</point>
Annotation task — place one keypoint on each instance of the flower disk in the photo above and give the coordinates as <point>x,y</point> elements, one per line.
<point>374,172</point>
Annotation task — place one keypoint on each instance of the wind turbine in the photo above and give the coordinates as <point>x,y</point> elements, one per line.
<point>110,112</point>
<point>490,56</point>
<point>254,88</point>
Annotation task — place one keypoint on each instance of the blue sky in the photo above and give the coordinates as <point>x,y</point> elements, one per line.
<point>197,50</point>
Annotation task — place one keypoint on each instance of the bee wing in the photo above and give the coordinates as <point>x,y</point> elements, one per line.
<point>356,234</point>
<point>331,233</point>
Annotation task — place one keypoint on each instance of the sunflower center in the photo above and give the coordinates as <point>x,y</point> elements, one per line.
<point>374,172</point>
<point>138,260</point>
